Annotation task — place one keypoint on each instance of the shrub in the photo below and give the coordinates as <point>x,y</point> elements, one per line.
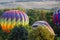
<point>40,33</point>
<point>34,15</point>
<point>18,33</point>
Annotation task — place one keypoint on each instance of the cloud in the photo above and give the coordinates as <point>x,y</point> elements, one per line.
<point>39,4</point>
<point>46,4</point>
<point>29,5</point>
<point>6,0</point>
<point>34,0</point>
<point>26,0</point>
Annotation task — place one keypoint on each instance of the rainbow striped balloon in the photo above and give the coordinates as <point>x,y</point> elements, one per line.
<point>13,18</point>
<point>56,17</point>
<point>43,24</point>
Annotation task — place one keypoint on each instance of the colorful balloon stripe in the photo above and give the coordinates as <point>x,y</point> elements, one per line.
<point>45,24</point>
<point>56,17</point>
<point>13,18</point>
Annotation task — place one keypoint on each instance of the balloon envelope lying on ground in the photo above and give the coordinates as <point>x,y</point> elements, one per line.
<point>12,18</point>
<point>56,17</point>
<point>43,24</point>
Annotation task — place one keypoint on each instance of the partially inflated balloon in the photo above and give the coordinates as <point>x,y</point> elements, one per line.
<point>56,17</point>
<point>43,24</point>
<point>13,18</point>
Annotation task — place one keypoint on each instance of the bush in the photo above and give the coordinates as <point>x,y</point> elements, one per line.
<point>34,15</point>
<point>18,33</point>
<point>40,33</point>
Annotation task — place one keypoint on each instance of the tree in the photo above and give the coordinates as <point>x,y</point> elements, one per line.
<point>19,33</point>
<point>34,15</point>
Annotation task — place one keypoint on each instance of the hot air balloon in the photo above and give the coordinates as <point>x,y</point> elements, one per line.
<point>43,24</point>
<point>12,18</point>
<point>56,17</point>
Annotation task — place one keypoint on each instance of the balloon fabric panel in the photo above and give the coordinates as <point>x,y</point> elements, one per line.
<point>56,17</point>
<point>43,23</point>
<point>13,18</point>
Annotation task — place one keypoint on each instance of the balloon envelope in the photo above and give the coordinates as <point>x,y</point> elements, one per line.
<point>13,18</point>
<point>56,17</point>
<point>43,24</point>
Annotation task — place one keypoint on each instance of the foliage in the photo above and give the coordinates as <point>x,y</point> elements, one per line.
<point>34,15</point>
<point>3,35</point>
<point>19,33</point>
<point>28,28</point>
<point>40,33</point>
<point>20,8</point>
<point>49,18</point>
<point>50,21</point>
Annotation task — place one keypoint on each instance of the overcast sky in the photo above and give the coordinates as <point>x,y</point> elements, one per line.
<point>26,0</point>
<point>6,0</point>
<point>37,0</point>
<point>30,4</point>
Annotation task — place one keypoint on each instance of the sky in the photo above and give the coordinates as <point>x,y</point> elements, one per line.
<point>26,0</point>
<point>30,3</point>
<point>37,0</point>
<point>6,0</point>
